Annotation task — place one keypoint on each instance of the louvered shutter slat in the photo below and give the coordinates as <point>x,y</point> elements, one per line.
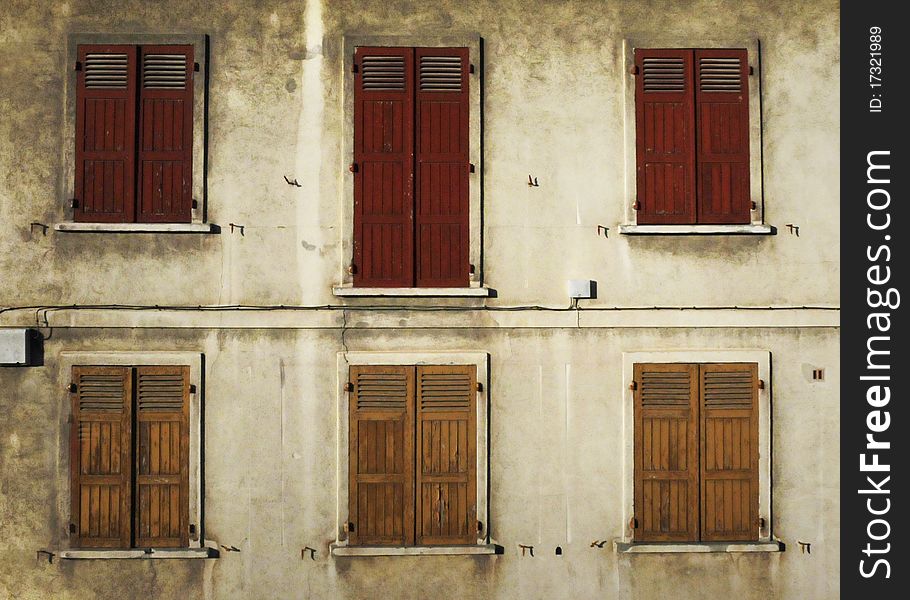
<point>384,179</point>
<point>666,452</point>
<point>446,455</point>
<point>665,137</point>
<point>105,133</point>
<point>722,105</point>
<point>729,452</point>
<point>442,171</point>
<point>162,456</point>
<point>166,134</point>
<point>381,455</point>
<point>100,453</point>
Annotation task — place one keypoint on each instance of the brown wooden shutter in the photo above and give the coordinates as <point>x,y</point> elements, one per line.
<point>104,189</point>
<point>722,106</point>
<point>381,455</point>
<point>665,136</point>
<point>162,456</point>
<point>442,189</point>
<point>729,452</point>
<point>446,455</point>
<point>384,167</point>
<point>100,453</point>
<point>166,134</point>
<point>666,452</point>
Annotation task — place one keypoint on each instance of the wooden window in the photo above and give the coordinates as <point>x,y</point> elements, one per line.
<point>129,456</point>
<point>134,134</point>
<point>412,456</point>
<point>692,136</point>
<point>696,452</point>
<point>411,200</point>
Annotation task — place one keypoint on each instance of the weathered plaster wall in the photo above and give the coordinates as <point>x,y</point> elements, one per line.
<point>553,82</point>
<point>555,470</point>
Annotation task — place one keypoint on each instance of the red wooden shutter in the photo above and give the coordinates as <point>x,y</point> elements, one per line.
<point>442,133</point>
<point>665,136</point>
<point>384,167</point>
<point>381,456</point>
<point>166,134</point>
<point>446,455</point>
<point>722,106</point>
<point>105,134</point>
<point>729,452</point>
<point>100,457</point>
<point>162,456</point>
<point>666,452</point>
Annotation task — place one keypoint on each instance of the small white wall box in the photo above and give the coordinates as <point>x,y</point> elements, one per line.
<point>582,288</point>
<point>15,346</point>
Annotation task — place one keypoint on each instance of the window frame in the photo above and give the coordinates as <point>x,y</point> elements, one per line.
<point>763,359</point>
<point>199,187</point>
<point>473,43</point>
<point>630,222</point>
<point>345,360</point>
<point>195,362</point>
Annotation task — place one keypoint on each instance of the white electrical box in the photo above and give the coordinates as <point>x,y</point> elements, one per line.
<point>14,346</point>
<point>582,288</point>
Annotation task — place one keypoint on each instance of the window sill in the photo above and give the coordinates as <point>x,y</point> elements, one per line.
<point>345,550</point>
<point>683,547</point>
<point>137,553</point>
<point>470,292</point>
<point>753,229</point>
<point>137,227</point>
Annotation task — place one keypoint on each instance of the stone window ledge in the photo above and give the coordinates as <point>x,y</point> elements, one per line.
<point>137,227</point>
<point>753,229</point>
<point>136,553</point>
<point>345,550</point>
<point>469,292</point>
<point>689,547</point>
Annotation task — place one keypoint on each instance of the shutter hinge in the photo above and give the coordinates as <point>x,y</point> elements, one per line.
<point>195,203</point>
<point>348,527</point>
<point>349,387</point>
<point>471,269</point>
<point>471,69</point>
<point>479,526</point>
<point>761,522</point>
<point>196,67</point>
<point>761,384</point>
<point>751,71</point>
<point>636,205</point>
<point>77,66</point>
<point>355,68</point>
<point>754,205</point>
<point>478,386</point>
<point>470,167</point>
<point>72,528</point>
<point>353,168</point>
<point>352,269</point>
<point>74,203</point>
<point>633,386</point>
<point>73,388</point>
<point>192,388</point>
<point>192,529</point>
<point>633,523</point>
<point>634,70</point>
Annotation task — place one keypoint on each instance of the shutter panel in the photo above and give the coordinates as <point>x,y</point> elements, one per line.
<point>722,106</point>
<point>162,456</point>
<point>105,134</point>
<point>384,178</point>
<point>446,455</point>
<point>665,137</point>
<point>666,452</point>
<point>381,455</point>
<point>442,133</point>
<point>100,457</point>
<point>729,452</point>
<point>166,134</point>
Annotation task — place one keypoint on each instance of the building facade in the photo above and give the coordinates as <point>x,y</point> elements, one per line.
<point>298,280</point>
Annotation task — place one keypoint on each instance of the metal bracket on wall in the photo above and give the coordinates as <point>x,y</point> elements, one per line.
<point>524,547</point>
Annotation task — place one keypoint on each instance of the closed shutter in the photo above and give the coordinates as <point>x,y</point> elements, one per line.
<point>162,456</point>
<point>442,133</point>
<point>666,452</point>
<point>100,451</point>
<point>722,106</point>
<point>446,455</point>
<point>166,134</point>
<point>665,137</point>
<point>384,167</point>
<point>381,455</point>
<point>729,452</point>
<point>105,133</point>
